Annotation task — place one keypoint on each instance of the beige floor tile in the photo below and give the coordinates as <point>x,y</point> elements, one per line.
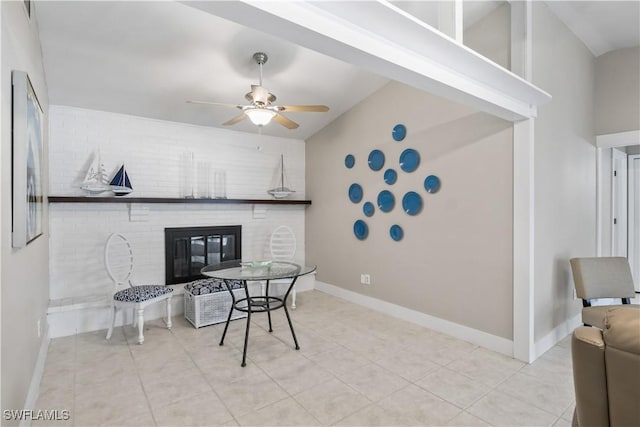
<point>61,360</point>
<point>295,373</point>
<point>125,409</point>
<point>252,392</point>
<point>185,377</point>
<point>207,355</point>
<point>441,349</point>
<point>568,413</point>
<point>465,419</point>
<point>331,401</point>
<point>54,419</point>
<point>161,365</point>
<point>168,389</point>
<point>205,409</point>
<point>269,347</point>
<point>56,399</point>
<point>410,406</point>
<point>62,345</point>
<point>311,343</point>
<point>455,388</point>
<point>225,371</point>
<point>409,365</point>
<point>373,381</point>
<point>550,370</point>
<point>374,415</point>
<point>105,385</point>
<point>52,383</point>
<point>340,360</point>
<point>561,422</point>
<point>286,412</point>
<point>553,398</point>
<point>500,409</point>
<point>486,366</point>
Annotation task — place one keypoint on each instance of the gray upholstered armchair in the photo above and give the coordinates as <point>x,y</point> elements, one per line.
<point>602,277</point>
<point>606,371</point>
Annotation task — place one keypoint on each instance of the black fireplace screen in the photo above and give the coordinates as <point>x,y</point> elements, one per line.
<point>189,249</point>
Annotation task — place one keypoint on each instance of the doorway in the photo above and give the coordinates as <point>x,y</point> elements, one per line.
<point>618,199</point>
<point>634,217</point>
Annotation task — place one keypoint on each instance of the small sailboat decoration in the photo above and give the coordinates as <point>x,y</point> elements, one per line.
<point>281,192</point>
<point>120,184</point>
<point>95,181</point>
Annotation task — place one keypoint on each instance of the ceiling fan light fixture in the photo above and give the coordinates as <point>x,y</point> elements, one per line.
<point>260,116</point>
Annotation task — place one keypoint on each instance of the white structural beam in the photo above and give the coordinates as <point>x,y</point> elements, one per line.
<point>381,38</point>
<point>523,194</point>
<point>619,139</point>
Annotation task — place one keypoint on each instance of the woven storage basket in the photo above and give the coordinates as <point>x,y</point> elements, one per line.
<point>207,302</point>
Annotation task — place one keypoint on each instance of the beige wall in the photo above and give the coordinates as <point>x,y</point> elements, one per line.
<point>565,167</point>
<point>618,91</point>
<point>455,259</point>
<point>24,272</point>
<point>490,36</point>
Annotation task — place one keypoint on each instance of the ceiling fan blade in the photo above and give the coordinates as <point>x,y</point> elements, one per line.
<point>289,124</point>
<point>216,104</point>
<point>235,120</point>
<point>304,108</point>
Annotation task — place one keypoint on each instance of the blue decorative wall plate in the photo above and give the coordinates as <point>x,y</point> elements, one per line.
<point>355,193</point>
<point>399,132</point>
<point>360,229</point>
<point>390,176</point>
<point>368,209</point>
<point>409,160</point>
<point>349,161</point>
<point>386,201</point>
<point>432,184</point>
<point>376,160</point>
<point>396,232</point>
<point>412,203</point>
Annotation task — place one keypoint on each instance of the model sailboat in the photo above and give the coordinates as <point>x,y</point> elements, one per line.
<point>95,181</point>
<point>120,183</point>
<point>281,192</point>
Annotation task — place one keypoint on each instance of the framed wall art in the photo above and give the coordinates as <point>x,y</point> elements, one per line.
<point>27,158</point>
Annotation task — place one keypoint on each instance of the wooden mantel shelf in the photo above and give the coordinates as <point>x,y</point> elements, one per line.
<point>125,199</point>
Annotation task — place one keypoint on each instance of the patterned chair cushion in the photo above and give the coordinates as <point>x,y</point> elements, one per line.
<point>209,286</point>
<point>141,293</point>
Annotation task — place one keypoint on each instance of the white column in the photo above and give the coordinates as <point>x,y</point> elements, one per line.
<point>523,193</point>
<point>450,19</point>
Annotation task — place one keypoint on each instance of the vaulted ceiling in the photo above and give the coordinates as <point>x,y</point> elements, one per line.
<point>149,58</point>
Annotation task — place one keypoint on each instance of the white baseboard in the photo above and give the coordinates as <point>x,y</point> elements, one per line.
<point>492,342</point>
<point>78,318</point>
<point>556,335</point>
<point>36,378</point>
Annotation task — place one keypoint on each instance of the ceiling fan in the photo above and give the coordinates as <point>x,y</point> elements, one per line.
<point>261,109</point>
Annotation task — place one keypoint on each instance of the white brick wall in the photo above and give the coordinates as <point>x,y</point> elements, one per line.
<point>152,150</point>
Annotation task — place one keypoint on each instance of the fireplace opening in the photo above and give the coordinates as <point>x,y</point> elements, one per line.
<point>189,249</point>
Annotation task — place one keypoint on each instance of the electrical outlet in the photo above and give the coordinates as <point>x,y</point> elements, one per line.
<point>365,279</point>
<point>38,326</point>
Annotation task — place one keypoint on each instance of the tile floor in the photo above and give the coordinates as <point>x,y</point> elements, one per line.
<point>356,367</point>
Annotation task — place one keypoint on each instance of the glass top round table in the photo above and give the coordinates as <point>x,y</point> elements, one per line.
<point>258,271</point>
<point>254,272</point>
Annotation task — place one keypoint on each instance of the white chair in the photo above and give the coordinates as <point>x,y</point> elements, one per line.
<point>118,260</point>
<point>282,246</point>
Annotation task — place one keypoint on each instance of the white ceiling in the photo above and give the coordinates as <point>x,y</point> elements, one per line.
<point>148,58</point>
<point>602,26</point>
